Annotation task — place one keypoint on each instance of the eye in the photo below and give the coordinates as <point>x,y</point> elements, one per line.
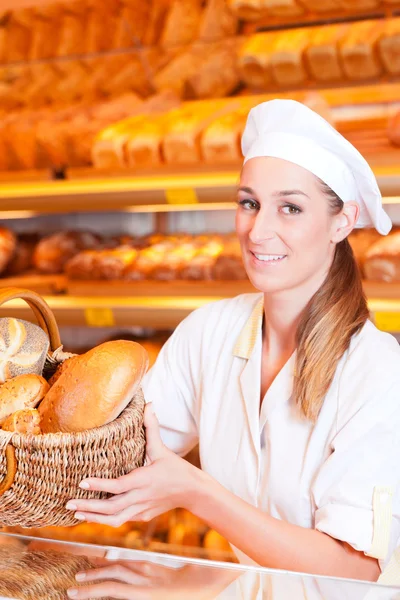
<point>249,204</point>
<point>291,209</point>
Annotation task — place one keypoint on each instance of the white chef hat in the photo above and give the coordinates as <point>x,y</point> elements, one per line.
<point>290,130</point>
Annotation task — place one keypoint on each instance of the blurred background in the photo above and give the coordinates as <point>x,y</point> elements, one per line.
<point>120,125</point>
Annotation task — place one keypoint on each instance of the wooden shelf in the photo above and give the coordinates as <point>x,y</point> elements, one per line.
<point>164,305</point>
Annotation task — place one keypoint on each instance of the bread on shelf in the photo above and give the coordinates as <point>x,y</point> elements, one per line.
<point>255,60</point>
<point>217,22</point>
<point>287,57</point>
<point>53,251</point>
<point>182,23</point>
<point>358,50</point>
<point>131,24</point>
<point>218,75</point>
<point>181,144</point>
<point>382,259</point>
<point>359,5</point>
<point>322,54</point>
<point>322,6</point>
<point>284,8</point>
<point>389,46</point>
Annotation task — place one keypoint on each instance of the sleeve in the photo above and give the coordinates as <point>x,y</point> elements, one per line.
<point>172,386</point>
<point>356,491</point>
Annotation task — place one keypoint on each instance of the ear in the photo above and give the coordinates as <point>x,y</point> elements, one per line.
<point>345,222</point>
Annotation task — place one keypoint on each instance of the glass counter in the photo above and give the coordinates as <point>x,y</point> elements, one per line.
<point>40,569</point>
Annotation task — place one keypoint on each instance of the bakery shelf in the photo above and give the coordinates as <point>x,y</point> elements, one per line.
<point>167,311</point>
<point>193,190</point>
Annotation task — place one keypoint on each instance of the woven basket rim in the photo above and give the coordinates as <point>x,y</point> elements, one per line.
<point>60,439</point>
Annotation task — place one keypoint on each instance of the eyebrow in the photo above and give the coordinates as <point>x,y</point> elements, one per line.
<point>280,194</point>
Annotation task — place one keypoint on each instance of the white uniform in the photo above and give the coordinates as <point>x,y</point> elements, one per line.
<point>340,475</point>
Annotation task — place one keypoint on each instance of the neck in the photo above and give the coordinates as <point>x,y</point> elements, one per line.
<point>283,312</point>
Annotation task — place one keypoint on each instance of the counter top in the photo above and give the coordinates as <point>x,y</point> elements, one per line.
<point>32,568</point>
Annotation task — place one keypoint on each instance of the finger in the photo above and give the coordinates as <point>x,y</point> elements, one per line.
<point>129,514</point>
<point>155,448</point>
<point>111,506</point>
<point>118,572</point>
<point>109,589</point>
<point>133,480</point>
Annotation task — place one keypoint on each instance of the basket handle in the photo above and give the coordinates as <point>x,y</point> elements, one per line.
<point>40,309</point>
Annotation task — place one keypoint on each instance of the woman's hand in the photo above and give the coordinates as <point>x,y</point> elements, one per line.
<point>166,482</point>
<point>150,581</point>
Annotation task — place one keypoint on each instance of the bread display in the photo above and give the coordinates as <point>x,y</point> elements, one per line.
<point>382,259</point>
<point>217,22</point>
<point>358,50</point>
<point>20,393</point>
<point>94,389</point>
<point>220,142</point>
<point>53,252</point>
<point>26,422</point>
<point>108,264</point>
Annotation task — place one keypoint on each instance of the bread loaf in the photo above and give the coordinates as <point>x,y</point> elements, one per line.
<point>359,4</point>
<point>182,23</point>
<point>217,22</point>
<point>73,29</point>
<point>284,8</point>
<point>322,54</point>
<point>156,22</point>
<point>175,261</point>
<point>322,6</point>
<point>45,31</point>
<point>218,75</point>
<point>358,50</point>
<point>95,388</point>
<point>18,36</point>
<point>8,243</point>
<point>21,392</point>
<point>254,60</point>
<point>22,259</point>
<point>108,264</point>
<point>361,241</point>
<point>248,10</point>
<point>53,252</point>
<point>25,421</point>
<point>181,144</point>
<point>220,142</point>
<point>131,24</point>
<point>382,260</point>
<point>287,63</point>
<point>100,20</point>
<point>389,46</point>
<point>23,348</point>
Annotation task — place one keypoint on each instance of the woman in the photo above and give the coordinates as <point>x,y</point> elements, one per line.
<point>292,393</point>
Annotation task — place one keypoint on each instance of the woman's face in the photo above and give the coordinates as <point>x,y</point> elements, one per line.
<point>285,228</point>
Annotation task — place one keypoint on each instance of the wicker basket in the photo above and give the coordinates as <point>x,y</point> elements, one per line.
<point>40,473</point>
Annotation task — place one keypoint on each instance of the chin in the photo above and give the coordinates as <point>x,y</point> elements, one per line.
<point>268,285</point>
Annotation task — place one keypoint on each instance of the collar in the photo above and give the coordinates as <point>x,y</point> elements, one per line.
<point>247,338</point>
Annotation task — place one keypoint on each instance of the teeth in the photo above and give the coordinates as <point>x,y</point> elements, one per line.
<point>269,257</point>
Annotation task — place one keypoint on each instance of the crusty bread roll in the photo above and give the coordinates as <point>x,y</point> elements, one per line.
<point>95,388</point>
<point>26,421</point>
<point>22,259</point>
<point>61,368</point>
<point>182,23</point>
<point>23,391</point>
<point>382,260</point>
<point>358,50</point>
<point>361,240</point>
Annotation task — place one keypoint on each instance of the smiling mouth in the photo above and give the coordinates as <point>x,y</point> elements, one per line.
<point>269,258</point>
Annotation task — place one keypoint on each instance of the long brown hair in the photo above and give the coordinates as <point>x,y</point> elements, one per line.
<point>334,314</point>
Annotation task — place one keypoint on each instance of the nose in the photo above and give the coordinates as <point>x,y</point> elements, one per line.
<point>262,229</point>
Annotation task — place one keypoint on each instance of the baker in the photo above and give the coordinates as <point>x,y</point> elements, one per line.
<point>292,393</point>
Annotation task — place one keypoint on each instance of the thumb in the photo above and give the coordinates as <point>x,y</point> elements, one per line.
<point>155,448</point>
